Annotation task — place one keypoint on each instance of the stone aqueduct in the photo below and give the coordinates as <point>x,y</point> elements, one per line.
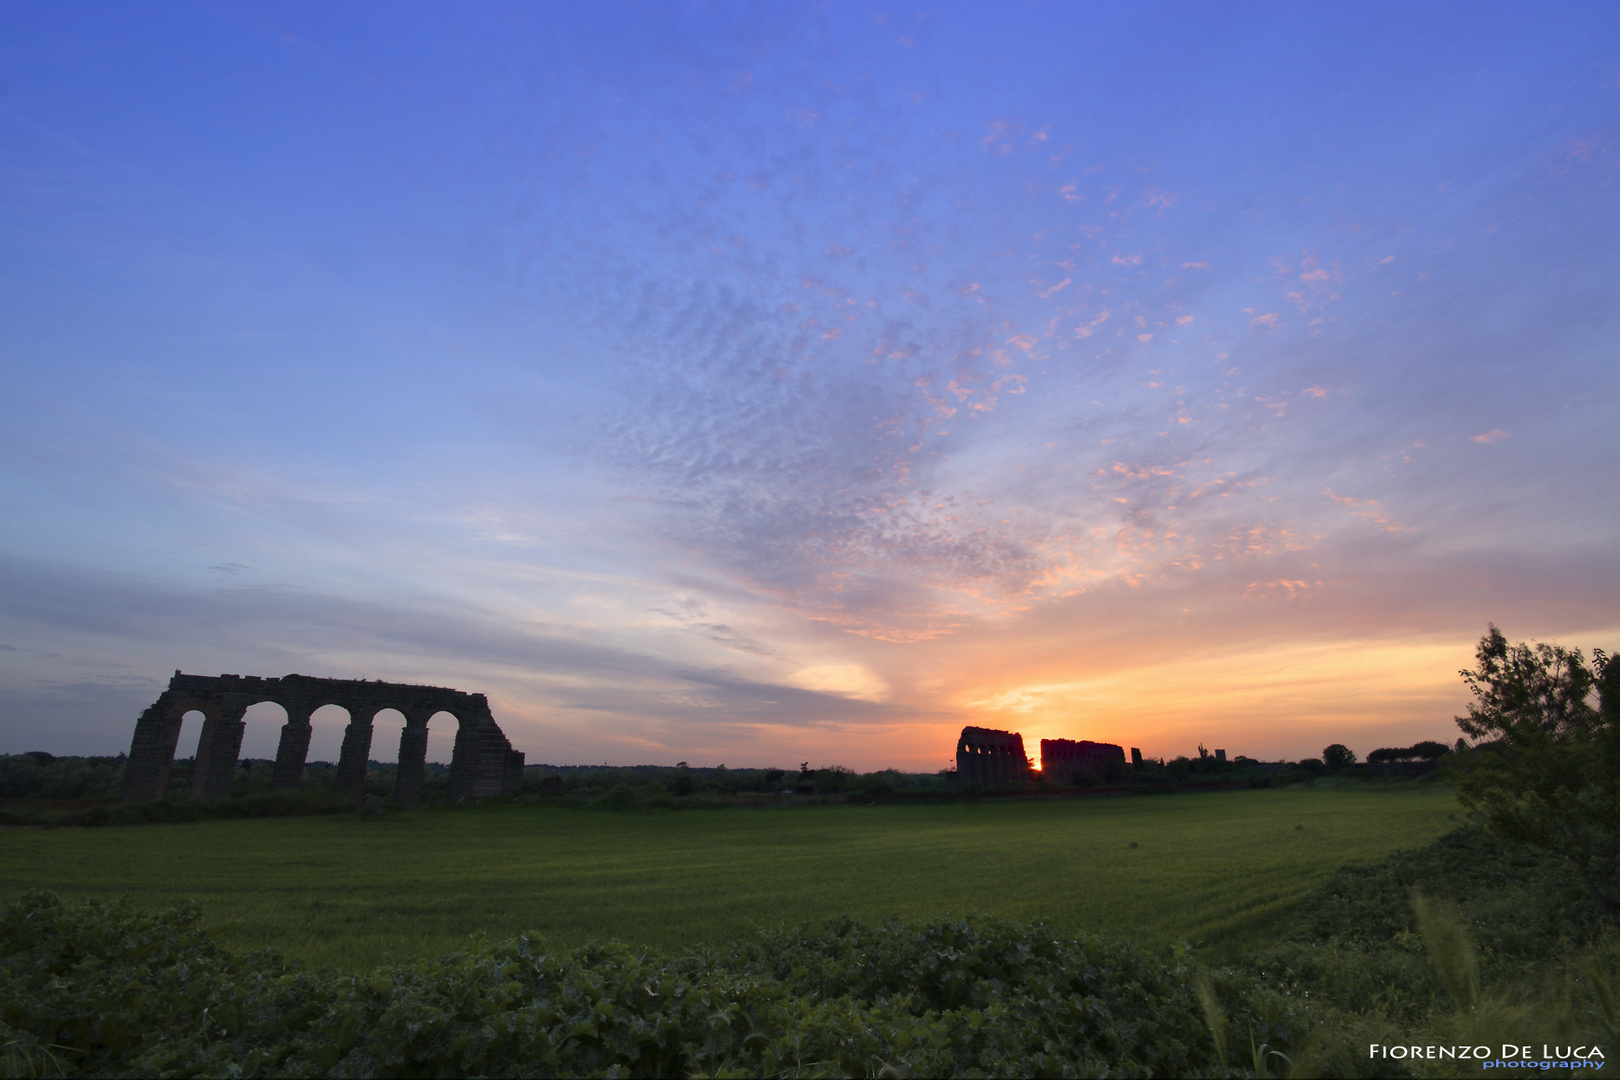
<point>483,762</point>
<point>990,757</point>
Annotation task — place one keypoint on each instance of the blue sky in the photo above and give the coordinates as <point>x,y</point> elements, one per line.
<point>760,383</point>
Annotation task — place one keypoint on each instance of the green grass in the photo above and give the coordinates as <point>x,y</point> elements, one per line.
<point>1215,869</point>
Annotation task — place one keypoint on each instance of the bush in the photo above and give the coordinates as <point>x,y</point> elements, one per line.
<point>41,776</point>
<point>105,990</point>
<point>1338,756</point>
<point>1547,768</point>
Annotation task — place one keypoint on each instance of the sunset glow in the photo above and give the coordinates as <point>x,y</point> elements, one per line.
<point>790,383</point>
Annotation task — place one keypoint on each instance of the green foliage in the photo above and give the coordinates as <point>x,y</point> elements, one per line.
<point>1338,756</point>
<point>1443,971</point>
<point>40,776</point>
<point>1547,768</point>
<point>1428,750</point>
<point>1524,902</point>
<point>1492,913</point>
<point>106,990</point>
<point>683,786</point>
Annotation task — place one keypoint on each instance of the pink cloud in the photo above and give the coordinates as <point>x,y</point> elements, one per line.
<point>1494,435</point>
<point>1367,510</point>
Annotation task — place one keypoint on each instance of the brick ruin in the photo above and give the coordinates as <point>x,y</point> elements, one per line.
<point>483,762</point>
<point>1063,761</point>
<point>988,758</point>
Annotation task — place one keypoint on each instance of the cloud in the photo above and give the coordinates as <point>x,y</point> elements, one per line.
<point>1366,509</point>
<point>1494,435</point>
<point>846,680</point>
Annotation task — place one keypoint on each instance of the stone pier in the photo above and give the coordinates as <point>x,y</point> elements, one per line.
<point>1065,761</point>
<point>483,763</point>
<point>988,758</point>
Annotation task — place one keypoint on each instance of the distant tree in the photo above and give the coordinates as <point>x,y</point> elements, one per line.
<point>1338,756</point>
<point>682,784</point>
<point>1546,765</point>
<point>1423,751</point>
<point>1429,750</point>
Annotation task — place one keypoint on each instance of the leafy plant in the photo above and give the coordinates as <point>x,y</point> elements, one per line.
<point>1546,770</point>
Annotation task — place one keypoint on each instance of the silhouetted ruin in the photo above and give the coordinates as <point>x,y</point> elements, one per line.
<point>483,762</point>
<point>1065,761</point>
<point>988,758</point>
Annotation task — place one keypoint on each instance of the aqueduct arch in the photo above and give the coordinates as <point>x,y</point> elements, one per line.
<point>989,757</point>
<point>483,762</point>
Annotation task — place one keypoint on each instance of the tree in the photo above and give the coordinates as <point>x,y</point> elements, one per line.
<point>1338,756</point>
<point>1429,750</point>
<point>682,784</point>
<point>1545,768</point>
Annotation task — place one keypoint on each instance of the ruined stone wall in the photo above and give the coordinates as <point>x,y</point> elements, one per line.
<point>988,758</point>
<point>1062,760</point>
<point>484,762</point>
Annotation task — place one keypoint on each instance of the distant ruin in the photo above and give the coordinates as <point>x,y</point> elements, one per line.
<point>1065,761</point>
<point>988,758</point>
<point>482,763</point>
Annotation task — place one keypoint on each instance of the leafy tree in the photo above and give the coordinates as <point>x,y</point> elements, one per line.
<point>682,784</point>
<point>1423,751</point>
<point>1338,756</point>
<point>1546,767</point>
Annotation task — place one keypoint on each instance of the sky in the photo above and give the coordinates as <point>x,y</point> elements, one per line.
<point>757,384</point>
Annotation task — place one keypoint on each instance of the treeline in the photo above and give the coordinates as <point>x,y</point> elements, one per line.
<point>32,782</point>
<point>39,775</point>
<point>650,783</point>
<point>44,790</point>
<point>1501,946</point>
<point>1206,769</point>
<point>1423,751</point>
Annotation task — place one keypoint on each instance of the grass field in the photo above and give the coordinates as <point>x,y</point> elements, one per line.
<point>1215,869</point>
